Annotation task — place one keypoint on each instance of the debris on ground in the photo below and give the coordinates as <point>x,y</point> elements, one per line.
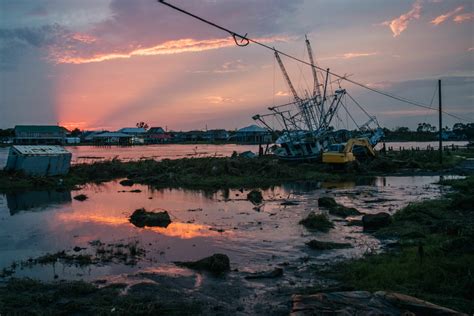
<point>289,203</point>
<point>81,197</point>
<point>327,245</point>
<point>319,222</point>
<point>219,230</point>
<point>373,222</point>
<point>142,218</point>
<point>217,263</point>
<point>255,196</point>
<point>364,303</point>
<point>247,154</point>
<point>195,210</point>
<point>336,209</point>
<point>275,273</point>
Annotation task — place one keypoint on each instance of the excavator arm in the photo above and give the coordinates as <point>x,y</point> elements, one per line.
<point>363,142</point>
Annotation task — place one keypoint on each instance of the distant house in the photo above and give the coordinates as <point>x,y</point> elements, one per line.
<point>135,131</point>
<point>113,138</point>
<point>190,136</point>
<point>215,135</point>
<point>88,136</point>
<point>40,134</point>
<point>252,134</point>
<point>73,140</point>
<point>156,135</point>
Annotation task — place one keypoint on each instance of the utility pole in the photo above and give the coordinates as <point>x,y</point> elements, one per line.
<point>440,124</point>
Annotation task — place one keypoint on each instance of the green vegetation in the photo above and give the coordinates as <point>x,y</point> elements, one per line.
<point>26,296</point>
<point>142,218</point>
<point>428,132</point>
<point>426,160</point>
<point>217,264</point>
<point>255,196</point>
<point>199,173</point>
<point>434,256</point>
<point>218,173</point>
<point>336,209</point>
<point>319,222</point>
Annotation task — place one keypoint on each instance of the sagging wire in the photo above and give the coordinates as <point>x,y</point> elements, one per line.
<point>245,41</point>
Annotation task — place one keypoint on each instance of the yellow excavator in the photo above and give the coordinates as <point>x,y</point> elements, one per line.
<point>343,153</point>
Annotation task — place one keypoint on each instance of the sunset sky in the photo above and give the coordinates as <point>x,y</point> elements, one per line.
<point>108,64</point>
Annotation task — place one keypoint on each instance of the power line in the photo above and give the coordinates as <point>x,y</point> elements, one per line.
<point>244,40</point>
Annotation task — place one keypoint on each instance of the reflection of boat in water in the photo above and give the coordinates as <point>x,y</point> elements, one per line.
<point>307,123</point>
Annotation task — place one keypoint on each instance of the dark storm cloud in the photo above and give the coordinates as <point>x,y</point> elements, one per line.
<point>153,22</point>
<point>34,36</point>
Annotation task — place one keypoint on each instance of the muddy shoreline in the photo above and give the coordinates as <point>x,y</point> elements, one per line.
<point>152,285</point>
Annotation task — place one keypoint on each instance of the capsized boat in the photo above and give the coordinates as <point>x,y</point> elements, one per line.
<point>306,126</point>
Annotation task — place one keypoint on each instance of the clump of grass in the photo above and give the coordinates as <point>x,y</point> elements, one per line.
<point>255,196</point>
<point>142,218</point>
<point>318,222</point>
<point>337,209</point>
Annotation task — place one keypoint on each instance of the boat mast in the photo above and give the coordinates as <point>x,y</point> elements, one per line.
<point>316,88</point>
<point>302,105</point>
<point>316,98</point>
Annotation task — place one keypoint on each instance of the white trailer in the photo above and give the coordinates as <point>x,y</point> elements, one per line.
<point>39,160</point>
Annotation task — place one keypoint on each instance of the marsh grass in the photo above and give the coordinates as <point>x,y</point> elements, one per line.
<point>319,222</point>
<point>435,254</point>
<point>218,173</point>
<point>26,296</point>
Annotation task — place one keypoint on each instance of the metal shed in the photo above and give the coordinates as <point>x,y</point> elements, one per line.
<point>39,160</point>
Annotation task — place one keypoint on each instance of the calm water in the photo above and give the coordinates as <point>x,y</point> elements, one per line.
<point>89,154</point>
<point>35,223</point>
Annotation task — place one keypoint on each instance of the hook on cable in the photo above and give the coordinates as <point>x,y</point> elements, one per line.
<point>244,41</point>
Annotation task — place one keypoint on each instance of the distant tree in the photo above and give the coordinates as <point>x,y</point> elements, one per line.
<point>9,132</point>
<point>459,128</point>
<point>425,127</point>
<point>142,125</point>
<point>402,129</point>
<point>76,132</point>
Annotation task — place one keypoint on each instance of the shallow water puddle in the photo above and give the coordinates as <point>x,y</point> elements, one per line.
<point>256,238</point>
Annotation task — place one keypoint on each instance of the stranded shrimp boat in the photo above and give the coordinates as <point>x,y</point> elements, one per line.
<point>306,123</point>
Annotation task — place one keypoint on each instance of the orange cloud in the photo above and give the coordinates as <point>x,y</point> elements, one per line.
<point>350,55</point>
<point>463,17</point>
<point>443,17</point>
<point>282,94</point>
<point>400,24</point>
<point>71,56</point>
<point>355,55</point>
<point>215,99</point>
<point>84,38</point>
